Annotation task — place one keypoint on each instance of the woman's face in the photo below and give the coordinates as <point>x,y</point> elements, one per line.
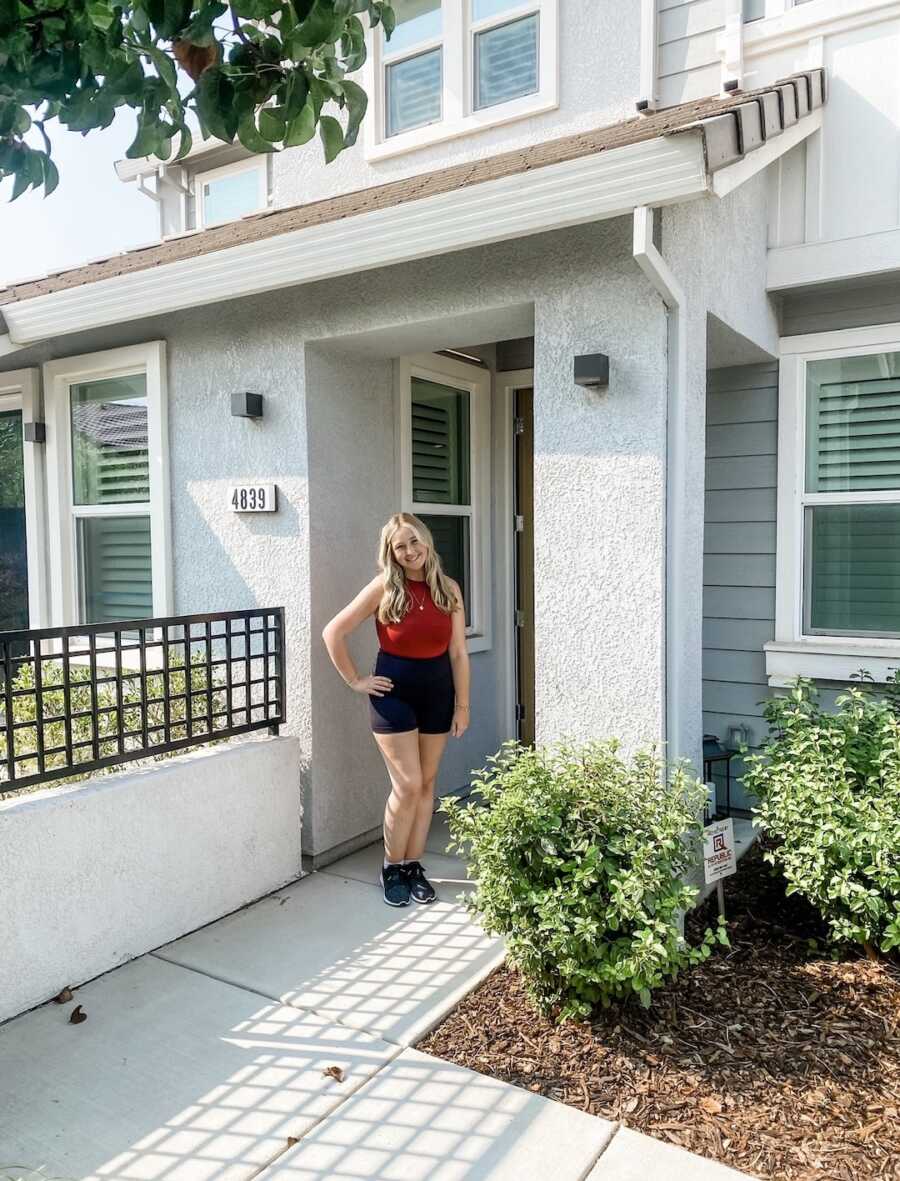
<point>408,551</point>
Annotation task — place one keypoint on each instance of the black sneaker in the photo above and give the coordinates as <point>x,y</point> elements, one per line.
<point>396,887</point>
<point>420,889</point>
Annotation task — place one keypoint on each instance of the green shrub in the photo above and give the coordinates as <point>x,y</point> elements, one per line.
<point>579,859</point>
<point>829,798</point>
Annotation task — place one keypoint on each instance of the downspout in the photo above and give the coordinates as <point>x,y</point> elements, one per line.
<point>670,291</point>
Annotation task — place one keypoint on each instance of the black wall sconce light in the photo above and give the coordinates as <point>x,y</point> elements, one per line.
<point>34,432</point>
<point>592,370</point>
<point>247,405</point>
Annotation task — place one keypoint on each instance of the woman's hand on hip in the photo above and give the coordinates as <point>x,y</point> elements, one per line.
<point>374,686</point>
<point>460,722</point>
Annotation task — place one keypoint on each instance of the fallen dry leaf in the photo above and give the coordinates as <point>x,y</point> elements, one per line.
<point>710,1105</point>
<point>334,1072</point>
<point>77,1015</point>
<point>292,1140</point>
<point>63,996</point>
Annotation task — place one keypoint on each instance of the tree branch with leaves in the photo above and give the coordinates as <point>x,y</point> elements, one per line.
<point>268,73</point>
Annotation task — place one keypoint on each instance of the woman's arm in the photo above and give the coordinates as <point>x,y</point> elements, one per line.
<point>337,630</point>
<point>459,662</point>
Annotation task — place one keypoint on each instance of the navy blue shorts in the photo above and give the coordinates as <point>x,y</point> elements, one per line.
<point>422,698</point>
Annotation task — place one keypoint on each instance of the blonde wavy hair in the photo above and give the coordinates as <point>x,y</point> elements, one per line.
<point>396,600</point>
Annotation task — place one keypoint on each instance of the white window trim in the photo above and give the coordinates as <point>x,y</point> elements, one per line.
<point>59,376</point>
<point>20,390</point>
<point>477,381</point>
<point>792,653</point>
<point>257,163</point>
<point>458,115</point>
<point>788,24</point>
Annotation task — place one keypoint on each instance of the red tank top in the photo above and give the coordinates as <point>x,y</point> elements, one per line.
<point>423,632</point>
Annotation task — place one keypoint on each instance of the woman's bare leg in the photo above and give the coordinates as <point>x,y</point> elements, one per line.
<point>401,757</point>
<point>431,748</point>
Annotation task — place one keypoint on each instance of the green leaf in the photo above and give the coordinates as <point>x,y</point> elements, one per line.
<point>249,136</point>
<point>321,27</point>
<point>271,127</point>
<point>51,176</point>
<point>302,129</point>
<point>215,104</point>
<point>185,143</point>
<point>357,104</point>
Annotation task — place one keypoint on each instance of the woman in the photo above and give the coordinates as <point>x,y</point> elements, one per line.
<point>418,691</point>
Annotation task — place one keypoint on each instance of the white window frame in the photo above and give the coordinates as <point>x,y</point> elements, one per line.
<point>791,23</point>
<point>793,653</point>
<point>445,371</point>
<point>458,113</point>
<point>63,513</point>
<point>20,390</point>
<point>257,164</point>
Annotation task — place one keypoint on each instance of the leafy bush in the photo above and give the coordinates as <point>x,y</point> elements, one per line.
<point>579,858</point>
<point>829,792</point>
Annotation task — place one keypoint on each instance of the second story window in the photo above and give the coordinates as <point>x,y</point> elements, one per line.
<point>456,66</point>
<point>506,36</point>
<point>224,194</point>
<point>413,66</point>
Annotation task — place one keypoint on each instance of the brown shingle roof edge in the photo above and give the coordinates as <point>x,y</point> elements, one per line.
<point>750,117</point>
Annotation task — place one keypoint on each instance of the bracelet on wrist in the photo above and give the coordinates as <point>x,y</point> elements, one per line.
<point>465,707</point>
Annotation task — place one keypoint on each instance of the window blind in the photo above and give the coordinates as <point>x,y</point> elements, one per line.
<point>853,424</point>
<point>115,568</point>
<point>414,92</point>
<point>440,443</point>
<point>506,62</point>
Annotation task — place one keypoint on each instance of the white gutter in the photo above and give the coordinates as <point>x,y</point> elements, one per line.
<point>670,291</point>
<point>649,54</point>
<point>8,346</point>
<point>602,185</point>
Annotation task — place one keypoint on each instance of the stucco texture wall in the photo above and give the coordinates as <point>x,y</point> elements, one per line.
<point>599,481</point>
<point>717,250</point>
<point>599,81</point>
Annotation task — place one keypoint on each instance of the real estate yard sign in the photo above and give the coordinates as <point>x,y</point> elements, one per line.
<point>719,858</point>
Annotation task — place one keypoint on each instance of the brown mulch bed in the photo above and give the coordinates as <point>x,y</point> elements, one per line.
<point>770,1057</point>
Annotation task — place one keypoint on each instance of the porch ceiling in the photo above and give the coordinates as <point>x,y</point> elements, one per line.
<point>657,159</point>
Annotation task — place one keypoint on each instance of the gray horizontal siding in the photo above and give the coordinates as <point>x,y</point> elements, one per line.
<point>739,552</point>
<point>689,65</point>
<point>848,307</point>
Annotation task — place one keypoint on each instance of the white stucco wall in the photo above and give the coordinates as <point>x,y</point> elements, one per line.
<point>95,874</point>
<point>599,483</point>
<point>717,250</point>
<point>599,82</point>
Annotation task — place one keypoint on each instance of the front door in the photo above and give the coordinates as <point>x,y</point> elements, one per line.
<point>524,525</point>
<point>13,549</point>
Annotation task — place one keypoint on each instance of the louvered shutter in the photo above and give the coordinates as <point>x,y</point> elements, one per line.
<point>440,443</point>
<point>506,62</point>
<point>853,426</point>
<point>414,92</point>
<point>115,568</point>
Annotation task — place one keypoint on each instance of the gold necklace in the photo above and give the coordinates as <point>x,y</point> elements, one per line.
<point>420,605</point>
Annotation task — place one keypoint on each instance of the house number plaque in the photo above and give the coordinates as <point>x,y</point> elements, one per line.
<point>252,498</point>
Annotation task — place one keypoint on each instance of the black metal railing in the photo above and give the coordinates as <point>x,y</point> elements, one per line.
<point>74,699</point>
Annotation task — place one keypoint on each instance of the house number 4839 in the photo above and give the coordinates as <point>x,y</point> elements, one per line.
<point>252,498</point>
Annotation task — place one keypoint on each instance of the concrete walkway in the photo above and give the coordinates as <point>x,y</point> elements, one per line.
<point>276,1043</point>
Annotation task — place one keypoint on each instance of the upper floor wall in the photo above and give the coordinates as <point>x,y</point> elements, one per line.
<point>459,80</point>
<point>843,184</point>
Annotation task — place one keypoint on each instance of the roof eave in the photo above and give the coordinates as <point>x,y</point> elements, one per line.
<point>607,184</point>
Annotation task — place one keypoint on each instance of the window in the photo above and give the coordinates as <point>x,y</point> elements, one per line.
<point>838,576</point>
<point>107,484</point>
<point>227,193</point>
<point>505,53</point>
<point>755,10</point>
<point>444,417</point>
<point>455,66</point>
<point>21,505</point>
